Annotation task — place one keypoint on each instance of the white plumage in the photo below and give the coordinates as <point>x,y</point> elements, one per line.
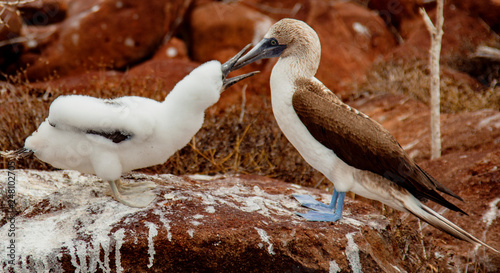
<point>110,137</point>
<point>151,131</point>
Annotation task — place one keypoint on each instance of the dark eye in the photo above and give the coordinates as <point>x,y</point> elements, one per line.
<point>274,42</point>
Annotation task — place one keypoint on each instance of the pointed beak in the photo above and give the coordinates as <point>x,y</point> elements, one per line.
<point>228,82</point>
<point>266,48</point>
<point>229,66</point>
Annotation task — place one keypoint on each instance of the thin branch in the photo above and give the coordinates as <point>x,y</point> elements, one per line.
<point>5,4</point>
<point>15,3</point>
<point>487,53</point>
<point>428,22</point>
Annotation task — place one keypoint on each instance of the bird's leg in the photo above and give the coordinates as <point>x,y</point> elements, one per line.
<point>134,187</point>
<point>322,212</point>
<point>136,200</point>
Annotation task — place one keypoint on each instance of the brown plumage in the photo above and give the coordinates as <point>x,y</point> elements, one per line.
<point>350,133</point>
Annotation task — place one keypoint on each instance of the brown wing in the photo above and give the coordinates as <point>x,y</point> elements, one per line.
<point>361,142</point>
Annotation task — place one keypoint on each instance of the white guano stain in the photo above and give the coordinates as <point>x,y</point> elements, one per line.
<point>334,267</point>
<point>210,209</point>
<point>265,238</point>
<point>190,232</point>
<point>119,235</point>
<point>151,247</point>
<point>492,214</point>
<point>352,253</point>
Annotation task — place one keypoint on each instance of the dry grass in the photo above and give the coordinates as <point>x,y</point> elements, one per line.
<point>412,78</point>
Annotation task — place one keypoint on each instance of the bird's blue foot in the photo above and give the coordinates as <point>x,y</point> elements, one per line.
<point>309,202</point>
<point>322,212</point>
<point>320,216</point>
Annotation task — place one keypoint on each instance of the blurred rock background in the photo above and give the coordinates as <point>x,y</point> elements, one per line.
<point>374,56</point>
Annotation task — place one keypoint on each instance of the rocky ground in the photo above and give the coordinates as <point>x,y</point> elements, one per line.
<point>374,56</point>
<point>196,224</point>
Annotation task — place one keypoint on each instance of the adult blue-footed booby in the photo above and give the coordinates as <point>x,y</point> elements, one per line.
<point>109,137</point>
<point>353,151</point>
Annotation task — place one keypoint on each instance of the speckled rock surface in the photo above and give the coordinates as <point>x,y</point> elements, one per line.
<point>67,222</point>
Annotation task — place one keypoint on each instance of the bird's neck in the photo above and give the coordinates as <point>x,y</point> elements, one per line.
<point>189,104</point>
<point>296,67</point>
<point>284,75</point>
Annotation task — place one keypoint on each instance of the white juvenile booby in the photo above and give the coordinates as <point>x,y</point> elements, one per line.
<point>110,137</point>
<point>353,151</point>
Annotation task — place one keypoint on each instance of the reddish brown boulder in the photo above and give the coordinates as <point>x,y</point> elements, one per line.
<point>219,30</point>
<point>65,221</point>
<point>99,34</point>
<point>175,48</point>
<point>462,34</point>
<point>10,30</point>
<point>488,10</point>
<point>352,38</point>
<point>474,176</point>
<point>159,75</point>
<point>197,223</point>
<point>153,79</point>
<point>43,12</point>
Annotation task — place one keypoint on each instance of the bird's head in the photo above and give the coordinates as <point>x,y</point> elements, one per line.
<point>287,38</point>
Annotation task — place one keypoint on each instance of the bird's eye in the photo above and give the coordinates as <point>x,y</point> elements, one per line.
<point>274,42</point>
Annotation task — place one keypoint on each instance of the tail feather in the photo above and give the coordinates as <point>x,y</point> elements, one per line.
<point>438,221</point>
<point>17,154</point>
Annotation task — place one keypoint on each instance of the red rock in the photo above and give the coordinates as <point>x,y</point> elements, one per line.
<point>394,12</point>
<point>160,75</point>
<point>474,176</point>
<point>352,38</point>
<point>197,223</point>
<point>489,11</point>
<point>153,79</point>
<point>218,30</point>
<point>462,34</point>
<point>96,34</point>
<point>174,49</point>
<point>43,12</point>
<point>10,29</point>
<point>11,23</point>
<point>223,224</point>
<point>286,8</point>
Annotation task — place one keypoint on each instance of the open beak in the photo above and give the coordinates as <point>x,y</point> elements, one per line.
<point>230,66</point>
<point>229,82</point>
<point>266,48</point>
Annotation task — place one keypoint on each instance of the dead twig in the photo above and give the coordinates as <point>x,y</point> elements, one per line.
<point>436,32</point>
